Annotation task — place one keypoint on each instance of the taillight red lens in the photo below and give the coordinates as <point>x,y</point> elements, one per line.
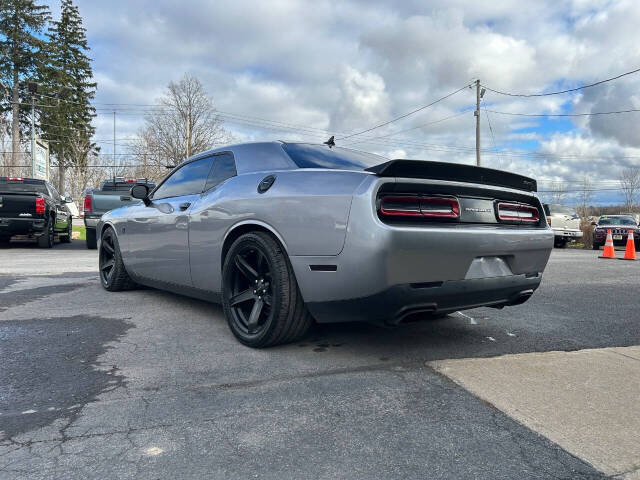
<point>16,179</point>
<point>39,205</point>
<point>87,204</point>
<point>516,212</point>
<point>419,206</point>
<point>440,207</point>
<point>400,206</point>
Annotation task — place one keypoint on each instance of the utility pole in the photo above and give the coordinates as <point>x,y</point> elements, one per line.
<point>33,135</point>
<point>114,148</point>
<point>477,114</point>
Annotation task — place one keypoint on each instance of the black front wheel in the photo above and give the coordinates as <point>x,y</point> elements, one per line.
<point>69,235</point>
<point>113,274</point>
<point>260,295</point>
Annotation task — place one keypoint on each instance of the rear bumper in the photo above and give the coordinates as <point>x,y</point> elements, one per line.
<point>91,222</point>
<point>561,233</point>
<point>21,226</point>
<point>393,305</point>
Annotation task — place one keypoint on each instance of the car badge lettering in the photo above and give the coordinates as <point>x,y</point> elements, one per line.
<point>477,210</point>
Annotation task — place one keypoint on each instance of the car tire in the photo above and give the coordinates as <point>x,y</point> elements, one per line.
<point>5,240</point>
<point>113,274</point>
<point>47,239</point>
<point>69,236</point>
<point>260,295</point>
<point>560,243</point>
<point>91,240</point>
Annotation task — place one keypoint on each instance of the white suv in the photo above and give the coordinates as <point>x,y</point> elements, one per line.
<point>565,223</point>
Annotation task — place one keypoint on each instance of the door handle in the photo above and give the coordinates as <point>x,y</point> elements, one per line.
<point>184,206</point>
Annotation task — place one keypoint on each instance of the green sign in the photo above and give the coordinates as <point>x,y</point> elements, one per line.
<point>41,160</point>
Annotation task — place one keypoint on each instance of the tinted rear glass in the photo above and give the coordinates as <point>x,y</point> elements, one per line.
<point>616,221</point>
<point>122,187</point>
<point>23,187</point>
<point>562,210</point>
<point>306,155</point>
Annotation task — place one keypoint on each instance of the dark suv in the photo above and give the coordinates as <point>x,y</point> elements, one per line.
<point>619,226</point>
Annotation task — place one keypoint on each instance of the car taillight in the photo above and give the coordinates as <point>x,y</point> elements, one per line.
<point>15,179</point>
<point>517,212</point>
<point>87,204</point>
<point>39,205</point>
<point>419,206</point>
<point>130,180</point>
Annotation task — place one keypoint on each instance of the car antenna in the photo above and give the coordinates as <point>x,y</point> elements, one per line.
<point>331,142</point>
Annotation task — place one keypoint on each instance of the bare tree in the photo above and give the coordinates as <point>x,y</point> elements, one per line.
<point>630,183</point>
<point>558,192</point>
<point>585,193</point>
<point>186,124</point>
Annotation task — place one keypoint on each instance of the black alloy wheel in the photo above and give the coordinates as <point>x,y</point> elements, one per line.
<point>113,274</point>
<point>260,295</point>
<point>107,257</point>
<point>251,294</point>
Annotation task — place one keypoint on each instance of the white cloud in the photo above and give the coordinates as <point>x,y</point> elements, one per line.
<point>348,65</point>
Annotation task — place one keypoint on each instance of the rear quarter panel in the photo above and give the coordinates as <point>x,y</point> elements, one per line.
<point>308,210</point>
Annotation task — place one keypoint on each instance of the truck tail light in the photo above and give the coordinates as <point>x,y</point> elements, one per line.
<point>87,204</point>
<point>15,179</point>
<point>39,205</point>
<point>419,206</point>
<point>518,212</point>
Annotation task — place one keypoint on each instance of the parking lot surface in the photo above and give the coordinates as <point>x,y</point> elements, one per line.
<point>148,384</point>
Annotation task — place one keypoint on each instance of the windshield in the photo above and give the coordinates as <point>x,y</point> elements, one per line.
<point>616,221</point>
<point>25,186</point>
<point>307,155</point>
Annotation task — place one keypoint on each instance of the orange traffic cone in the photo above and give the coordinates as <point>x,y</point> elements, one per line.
<point>630,252</point>
<point>609,252</point>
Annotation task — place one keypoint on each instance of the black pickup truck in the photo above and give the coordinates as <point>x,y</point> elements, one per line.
<point>32,207</point>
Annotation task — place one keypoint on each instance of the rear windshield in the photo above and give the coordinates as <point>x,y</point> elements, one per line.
<point>563,210</point>
<point>307,155</point>
<point>616,221</point>
<point>26,186</point>
<point>122,187</point>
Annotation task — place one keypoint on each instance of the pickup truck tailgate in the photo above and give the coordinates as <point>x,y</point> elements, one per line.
<point>14,205</point>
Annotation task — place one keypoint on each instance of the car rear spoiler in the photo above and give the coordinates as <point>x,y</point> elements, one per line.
<point>453,172</point>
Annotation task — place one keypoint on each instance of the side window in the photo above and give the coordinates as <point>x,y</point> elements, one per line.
<point>224,167</point>
<point>187,180</point>
<point>54,193</point>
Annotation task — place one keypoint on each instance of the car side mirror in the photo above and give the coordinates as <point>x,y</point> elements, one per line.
<point>141,192</point>
<point>594,223</point>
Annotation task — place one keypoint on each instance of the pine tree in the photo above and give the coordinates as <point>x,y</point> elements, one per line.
<point>21,26</point>
<point>66,121</point>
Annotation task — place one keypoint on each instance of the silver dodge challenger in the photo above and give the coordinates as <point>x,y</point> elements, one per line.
<point>285,234</point>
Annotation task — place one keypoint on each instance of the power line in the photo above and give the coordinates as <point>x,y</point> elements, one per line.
<point>405,115</point>
<point>630,110</point>
<point>562,91</point>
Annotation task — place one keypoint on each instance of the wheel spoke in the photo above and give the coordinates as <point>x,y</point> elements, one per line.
<point>255,316</point>
<point>107,247</point>
<point>245,268</point>
<point>107,264</point>
<point>267,299</point>
<point>242,297</point>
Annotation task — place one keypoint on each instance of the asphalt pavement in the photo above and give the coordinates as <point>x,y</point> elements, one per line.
<point>148,384</point>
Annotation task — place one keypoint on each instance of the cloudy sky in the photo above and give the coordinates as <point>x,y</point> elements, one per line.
<point>301,70</point>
